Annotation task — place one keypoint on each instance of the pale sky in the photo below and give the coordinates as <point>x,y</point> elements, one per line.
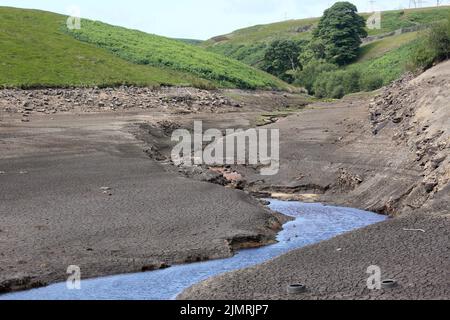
<point>196,19</point>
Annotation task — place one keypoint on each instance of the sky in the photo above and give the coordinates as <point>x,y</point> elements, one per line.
<point>196,19</point>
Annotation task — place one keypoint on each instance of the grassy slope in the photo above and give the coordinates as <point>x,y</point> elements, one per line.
<point>388,64</point>
<point>147,49</point>
<point>379,48</point>
<point>248,44</point>
<point>36,52</point>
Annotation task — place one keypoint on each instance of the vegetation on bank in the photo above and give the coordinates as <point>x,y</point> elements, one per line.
<point>249,44</point>
<point>433,46</point>
<point>327,80</point>
<point>332,64</point>
<point>152,50</point>
<point>324,79</point>
<point>324,55</point>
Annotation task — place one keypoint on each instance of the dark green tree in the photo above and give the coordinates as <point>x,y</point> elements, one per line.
<point>314,50</point>
<point>341,30</point>
<point>282,58</point>
<point>311,71</point>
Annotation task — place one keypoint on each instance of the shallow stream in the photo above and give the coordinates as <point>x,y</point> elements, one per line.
<point>313,223</point>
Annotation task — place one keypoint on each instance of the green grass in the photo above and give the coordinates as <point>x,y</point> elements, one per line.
<point>35,52</point>
<point>379,48</point>
<point>147,49</point>
<point>38,51</point>
<point>248,45</point>
<point>396,19</point>
<point>389,66</point>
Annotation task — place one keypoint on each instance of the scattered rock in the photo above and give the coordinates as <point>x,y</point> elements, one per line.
<point>430,184</point>
<point>177,100</point>
<point>348,180</point>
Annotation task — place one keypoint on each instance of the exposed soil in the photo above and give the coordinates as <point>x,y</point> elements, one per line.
<point>337,269</point>
<point>388,154</point>
<point>77,188</point>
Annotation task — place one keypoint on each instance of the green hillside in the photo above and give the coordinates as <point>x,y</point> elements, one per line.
<point>249,44</point>
<point>37,50</point>
<point>147,49</point>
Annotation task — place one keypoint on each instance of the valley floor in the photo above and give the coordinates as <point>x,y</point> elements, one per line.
<point>77,189</point>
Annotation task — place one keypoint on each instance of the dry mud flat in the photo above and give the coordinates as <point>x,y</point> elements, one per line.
<point>76,188</point>
<point>388,154</point>
<point>337,269</point>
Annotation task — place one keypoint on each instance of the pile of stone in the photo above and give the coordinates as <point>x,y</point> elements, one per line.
<point>50,101</point>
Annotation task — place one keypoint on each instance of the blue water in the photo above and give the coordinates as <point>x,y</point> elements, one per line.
<point>313,223</point>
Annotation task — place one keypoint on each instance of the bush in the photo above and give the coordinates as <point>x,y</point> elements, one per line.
<point>439,40</point>
<point>370,82</point>
<point>351,81</point>
<point>337,84</point>
<point>433,47</point>
<point>338,92</point>
<point>308,76</point>
<point>320,86</point>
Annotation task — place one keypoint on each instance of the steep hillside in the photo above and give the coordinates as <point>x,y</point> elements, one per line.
<point>51,56</point>
<point>147,49</point>
<point>248,44</point>
<point>35,52</point>
<point>387,58</point>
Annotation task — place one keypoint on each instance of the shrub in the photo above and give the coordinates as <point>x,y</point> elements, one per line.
<point>326,83</point>
<point>320,86</point>
<point>338,92</point>
<point>370,82</point>
<point>336,84</point>
<point>308,76</point>
<point>351,81</point>
<point>434,46</point>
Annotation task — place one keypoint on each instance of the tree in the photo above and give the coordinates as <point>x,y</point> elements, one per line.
<point>314,50</point>
<point>281,57</point>
<point>341,30</point>
<point>311,71</point>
